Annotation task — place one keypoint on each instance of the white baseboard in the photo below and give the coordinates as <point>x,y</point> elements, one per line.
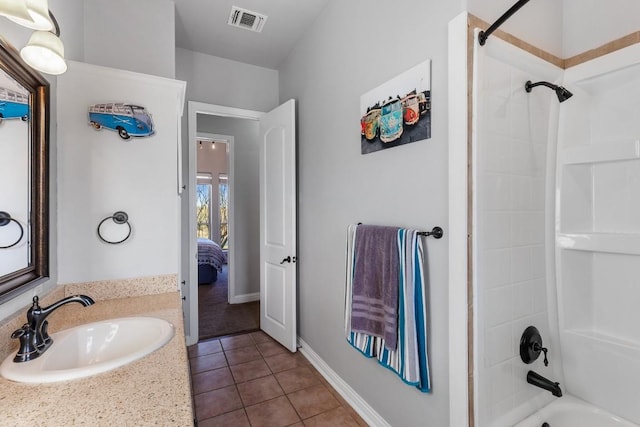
<point>241,299</point>
<point>368,414</point>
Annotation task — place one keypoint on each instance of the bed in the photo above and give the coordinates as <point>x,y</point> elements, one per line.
<point>210,260</point>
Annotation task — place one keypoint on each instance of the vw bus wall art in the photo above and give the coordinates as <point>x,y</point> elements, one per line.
<point>13,105</point>
<point>397,112</point>
<point>126,119</point>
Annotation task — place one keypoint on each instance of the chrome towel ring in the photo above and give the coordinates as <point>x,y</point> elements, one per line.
<point>119,218</point>
<point>5,219</point>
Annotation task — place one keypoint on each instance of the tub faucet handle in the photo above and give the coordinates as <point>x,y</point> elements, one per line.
<point>531,346</point>
<point>538,347</point>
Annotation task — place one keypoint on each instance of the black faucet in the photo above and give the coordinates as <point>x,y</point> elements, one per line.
<point>540,381</point>
<point>34,339</point>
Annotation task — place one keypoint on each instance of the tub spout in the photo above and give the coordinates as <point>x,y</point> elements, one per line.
<point>540,381</point>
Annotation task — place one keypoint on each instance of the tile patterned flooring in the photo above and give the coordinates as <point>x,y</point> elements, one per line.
<point>251,380</point>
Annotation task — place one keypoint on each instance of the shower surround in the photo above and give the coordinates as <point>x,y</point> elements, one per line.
<point>513,149</point>
<point>556,225</point>
<point>598,232</point>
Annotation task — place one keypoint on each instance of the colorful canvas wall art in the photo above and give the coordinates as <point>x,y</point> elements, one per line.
<point>397,112</point>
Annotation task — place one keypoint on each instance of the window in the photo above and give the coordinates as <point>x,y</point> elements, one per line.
<point>223,206</point>
<point>203,206</point>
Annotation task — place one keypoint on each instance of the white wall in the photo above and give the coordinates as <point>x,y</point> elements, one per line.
<point>131,35</point>
<point>588,24</point>
<point>220,81</point>
<point>351,49</point>
<point>99,173</point>
<point>246,212</point>
<point>70,17</point>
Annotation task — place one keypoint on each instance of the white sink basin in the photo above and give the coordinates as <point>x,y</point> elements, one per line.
<point>91,349</point>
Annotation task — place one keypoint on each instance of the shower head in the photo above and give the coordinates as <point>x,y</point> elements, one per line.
<point>562,93</point>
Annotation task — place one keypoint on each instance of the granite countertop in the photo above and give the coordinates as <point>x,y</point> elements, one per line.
<point>154,390</point>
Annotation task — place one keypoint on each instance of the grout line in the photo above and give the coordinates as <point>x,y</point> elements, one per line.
<point>285,394</point>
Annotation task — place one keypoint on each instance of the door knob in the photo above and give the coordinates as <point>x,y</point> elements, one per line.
<point>287,259</point>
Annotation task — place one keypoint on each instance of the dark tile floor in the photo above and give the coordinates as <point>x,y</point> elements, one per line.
<point>251,380</point>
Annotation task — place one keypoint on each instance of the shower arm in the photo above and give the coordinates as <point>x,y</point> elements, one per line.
<point>530,86</point>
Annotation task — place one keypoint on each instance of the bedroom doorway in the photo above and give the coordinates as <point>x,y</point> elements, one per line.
<point>223,124</point>
<point>213,207</point>
<point>253,224</point>
<point>221,310</point>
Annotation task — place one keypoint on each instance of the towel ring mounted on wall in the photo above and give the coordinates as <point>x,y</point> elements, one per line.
<point>119,217</point>
<point>5,219</point>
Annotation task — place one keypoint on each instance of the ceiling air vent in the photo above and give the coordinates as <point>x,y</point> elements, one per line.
<point>243,18</point>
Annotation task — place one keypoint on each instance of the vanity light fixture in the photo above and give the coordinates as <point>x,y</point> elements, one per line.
<point>15,9</point>
<point>45,51</point>
<point>38,19</point>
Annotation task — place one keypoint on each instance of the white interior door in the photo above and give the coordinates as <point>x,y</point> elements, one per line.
<point>278,225</point>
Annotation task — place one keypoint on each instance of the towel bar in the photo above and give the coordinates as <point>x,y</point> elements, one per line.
<point>436,232</point>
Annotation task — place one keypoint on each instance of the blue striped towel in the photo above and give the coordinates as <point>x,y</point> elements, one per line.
<point>410,359</point>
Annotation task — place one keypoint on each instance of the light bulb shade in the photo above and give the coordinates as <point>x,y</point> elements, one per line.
<point>38,19</point>
<point>45,53</point>
<point>15,9</point>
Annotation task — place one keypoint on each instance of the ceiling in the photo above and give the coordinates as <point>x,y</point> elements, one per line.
<point>201,26</point>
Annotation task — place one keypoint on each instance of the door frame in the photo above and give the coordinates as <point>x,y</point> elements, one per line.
<point>228,141</point>
<point>191,291</point>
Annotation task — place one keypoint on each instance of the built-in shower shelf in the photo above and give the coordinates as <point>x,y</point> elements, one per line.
<point>622,345</point>
<point>604,152</point>
<point>622,243</point>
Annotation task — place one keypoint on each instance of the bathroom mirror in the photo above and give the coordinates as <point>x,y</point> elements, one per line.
<point>24,184</point>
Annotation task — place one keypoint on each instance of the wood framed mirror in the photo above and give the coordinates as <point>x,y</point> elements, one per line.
<point>24,175</point>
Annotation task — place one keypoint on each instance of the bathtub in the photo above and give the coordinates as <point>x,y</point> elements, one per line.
<point>571,412</point>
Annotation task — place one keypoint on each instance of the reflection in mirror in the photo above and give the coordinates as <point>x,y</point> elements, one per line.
<point>14,175</point>
<point>24,222</point>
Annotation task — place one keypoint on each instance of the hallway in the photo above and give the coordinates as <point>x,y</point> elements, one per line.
<point>216,317</point>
